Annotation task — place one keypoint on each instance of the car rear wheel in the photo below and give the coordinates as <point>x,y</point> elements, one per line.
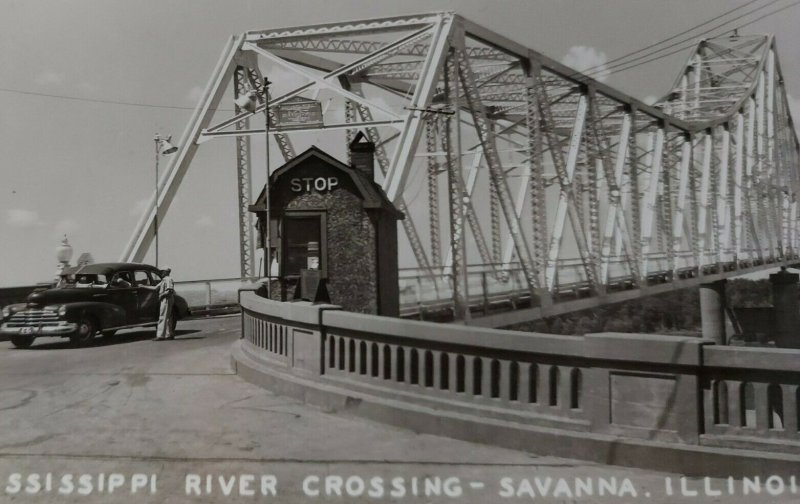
<point>84,334</point>
<point>22,341</point>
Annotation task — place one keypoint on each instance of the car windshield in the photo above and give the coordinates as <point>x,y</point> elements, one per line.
<point>84,280</point>
<point>66,281</point>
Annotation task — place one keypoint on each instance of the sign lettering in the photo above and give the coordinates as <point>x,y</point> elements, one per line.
<point>319,184</point>
<point>302,114</point>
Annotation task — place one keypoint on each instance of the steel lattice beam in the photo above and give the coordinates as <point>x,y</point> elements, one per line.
<point>588,195</point>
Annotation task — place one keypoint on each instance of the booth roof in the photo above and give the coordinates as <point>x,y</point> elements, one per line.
<point>373,195</point>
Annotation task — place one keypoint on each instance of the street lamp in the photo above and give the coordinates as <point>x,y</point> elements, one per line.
<point>165,148</point>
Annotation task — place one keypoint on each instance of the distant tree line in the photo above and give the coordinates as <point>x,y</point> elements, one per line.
<point>676,312</point>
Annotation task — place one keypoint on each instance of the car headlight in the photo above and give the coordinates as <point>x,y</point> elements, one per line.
<point>6,312</point>
<point>60,309</point>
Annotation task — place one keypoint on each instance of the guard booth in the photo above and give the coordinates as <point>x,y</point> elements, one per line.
<point>332,223</point>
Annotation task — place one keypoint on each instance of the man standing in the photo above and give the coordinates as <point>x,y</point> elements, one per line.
<point>166,292</point>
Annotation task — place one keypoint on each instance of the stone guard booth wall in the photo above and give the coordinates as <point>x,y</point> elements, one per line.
<point>316,198</point>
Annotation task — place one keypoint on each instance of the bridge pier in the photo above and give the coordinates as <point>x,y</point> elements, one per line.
<point>785,312</point>
<point>712,311</point>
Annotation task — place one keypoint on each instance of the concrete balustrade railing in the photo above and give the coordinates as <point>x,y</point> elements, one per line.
<point>645,400</point>
<point>750,397</point>
<point>468,368</point>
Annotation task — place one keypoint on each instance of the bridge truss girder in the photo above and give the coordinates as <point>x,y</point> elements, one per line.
<point>589,196</point>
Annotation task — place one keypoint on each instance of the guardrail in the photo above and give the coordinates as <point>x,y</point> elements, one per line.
<point>632,399</point>
<point>213,292</point>
<point>503,285</point>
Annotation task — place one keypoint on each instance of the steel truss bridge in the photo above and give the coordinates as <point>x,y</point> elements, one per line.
<point>522,180</point>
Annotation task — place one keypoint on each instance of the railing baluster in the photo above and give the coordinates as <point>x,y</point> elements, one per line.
<point>437,370</point>
<point>523,381</point>
<point>348,365</point>
<point>762,406</point>
<point>491,379</point>
<point>734,404</point>
<point>790,410</point>
<point>469,375</point>
<point>505,381</point>
<point>543,385</point>
<point>381,360</point>
<point>407,365</point>
<point>393,360</point>
<point>452,370</point>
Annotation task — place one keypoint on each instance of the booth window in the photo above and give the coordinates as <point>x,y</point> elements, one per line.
<point>303,238</point>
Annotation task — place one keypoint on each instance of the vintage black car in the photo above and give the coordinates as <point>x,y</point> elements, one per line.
<point>103,297</point>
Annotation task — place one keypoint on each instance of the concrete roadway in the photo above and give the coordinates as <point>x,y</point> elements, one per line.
<point>174,412</point>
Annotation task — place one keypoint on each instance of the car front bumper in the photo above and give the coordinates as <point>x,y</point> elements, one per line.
<point>38,330</point>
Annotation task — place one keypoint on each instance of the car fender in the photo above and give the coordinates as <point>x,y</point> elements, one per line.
<point>180,306</point>
<point>105,314</point>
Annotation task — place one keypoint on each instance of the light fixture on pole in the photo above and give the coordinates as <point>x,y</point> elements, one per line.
<point>163,148</point>
<point>247,101</point>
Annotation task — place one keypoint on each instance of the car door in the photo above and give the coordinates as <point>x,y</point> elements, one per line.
<point>123,293</point>
<point>147,297</point>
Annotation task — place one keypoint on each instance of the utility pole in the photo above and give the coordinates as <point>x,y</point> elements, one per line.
<point>267,252</point>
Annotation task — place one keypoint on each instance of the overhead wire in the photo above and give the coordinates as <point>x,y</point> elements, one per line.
<point>596,68</point>
<point>619,67</point>
<point>630,64</point>
<point>97,100</point>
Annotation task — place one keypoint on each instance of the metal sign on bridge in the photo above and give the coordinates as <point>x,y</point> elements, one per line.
<point>299,114</point>
<point>546,189</point>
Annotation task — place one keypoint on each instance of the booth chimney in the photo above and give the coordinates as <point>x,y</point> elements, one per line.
<point>362,155</point>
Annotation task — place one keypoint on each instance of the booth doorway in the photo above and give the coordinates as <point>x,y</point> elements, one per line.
<point>299,230</point>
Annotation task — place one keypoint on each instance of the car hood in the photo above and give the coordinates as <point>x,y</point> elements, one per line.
<point>64,295</point>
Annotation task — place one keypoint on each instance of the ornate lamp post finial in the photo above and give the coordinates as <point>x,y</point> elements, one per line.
<point>63,255</point>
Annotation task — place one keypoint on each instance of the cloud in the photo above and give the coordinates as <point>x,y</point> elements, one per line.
<point>194,94</point>
<point>587,58</point>
<point>204,222</point>
<point>21,218</point>
<point>139,207</point>
<point>49,77</point>
<point>66,226</point>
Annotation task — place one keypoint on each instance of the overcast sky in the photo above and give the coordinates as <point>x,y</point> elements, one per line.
<point>84,166</point>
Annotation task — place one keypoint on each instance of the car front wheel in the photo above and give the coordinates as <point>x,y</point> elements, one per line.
<point>84,334</point>
<point>22,341</point>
